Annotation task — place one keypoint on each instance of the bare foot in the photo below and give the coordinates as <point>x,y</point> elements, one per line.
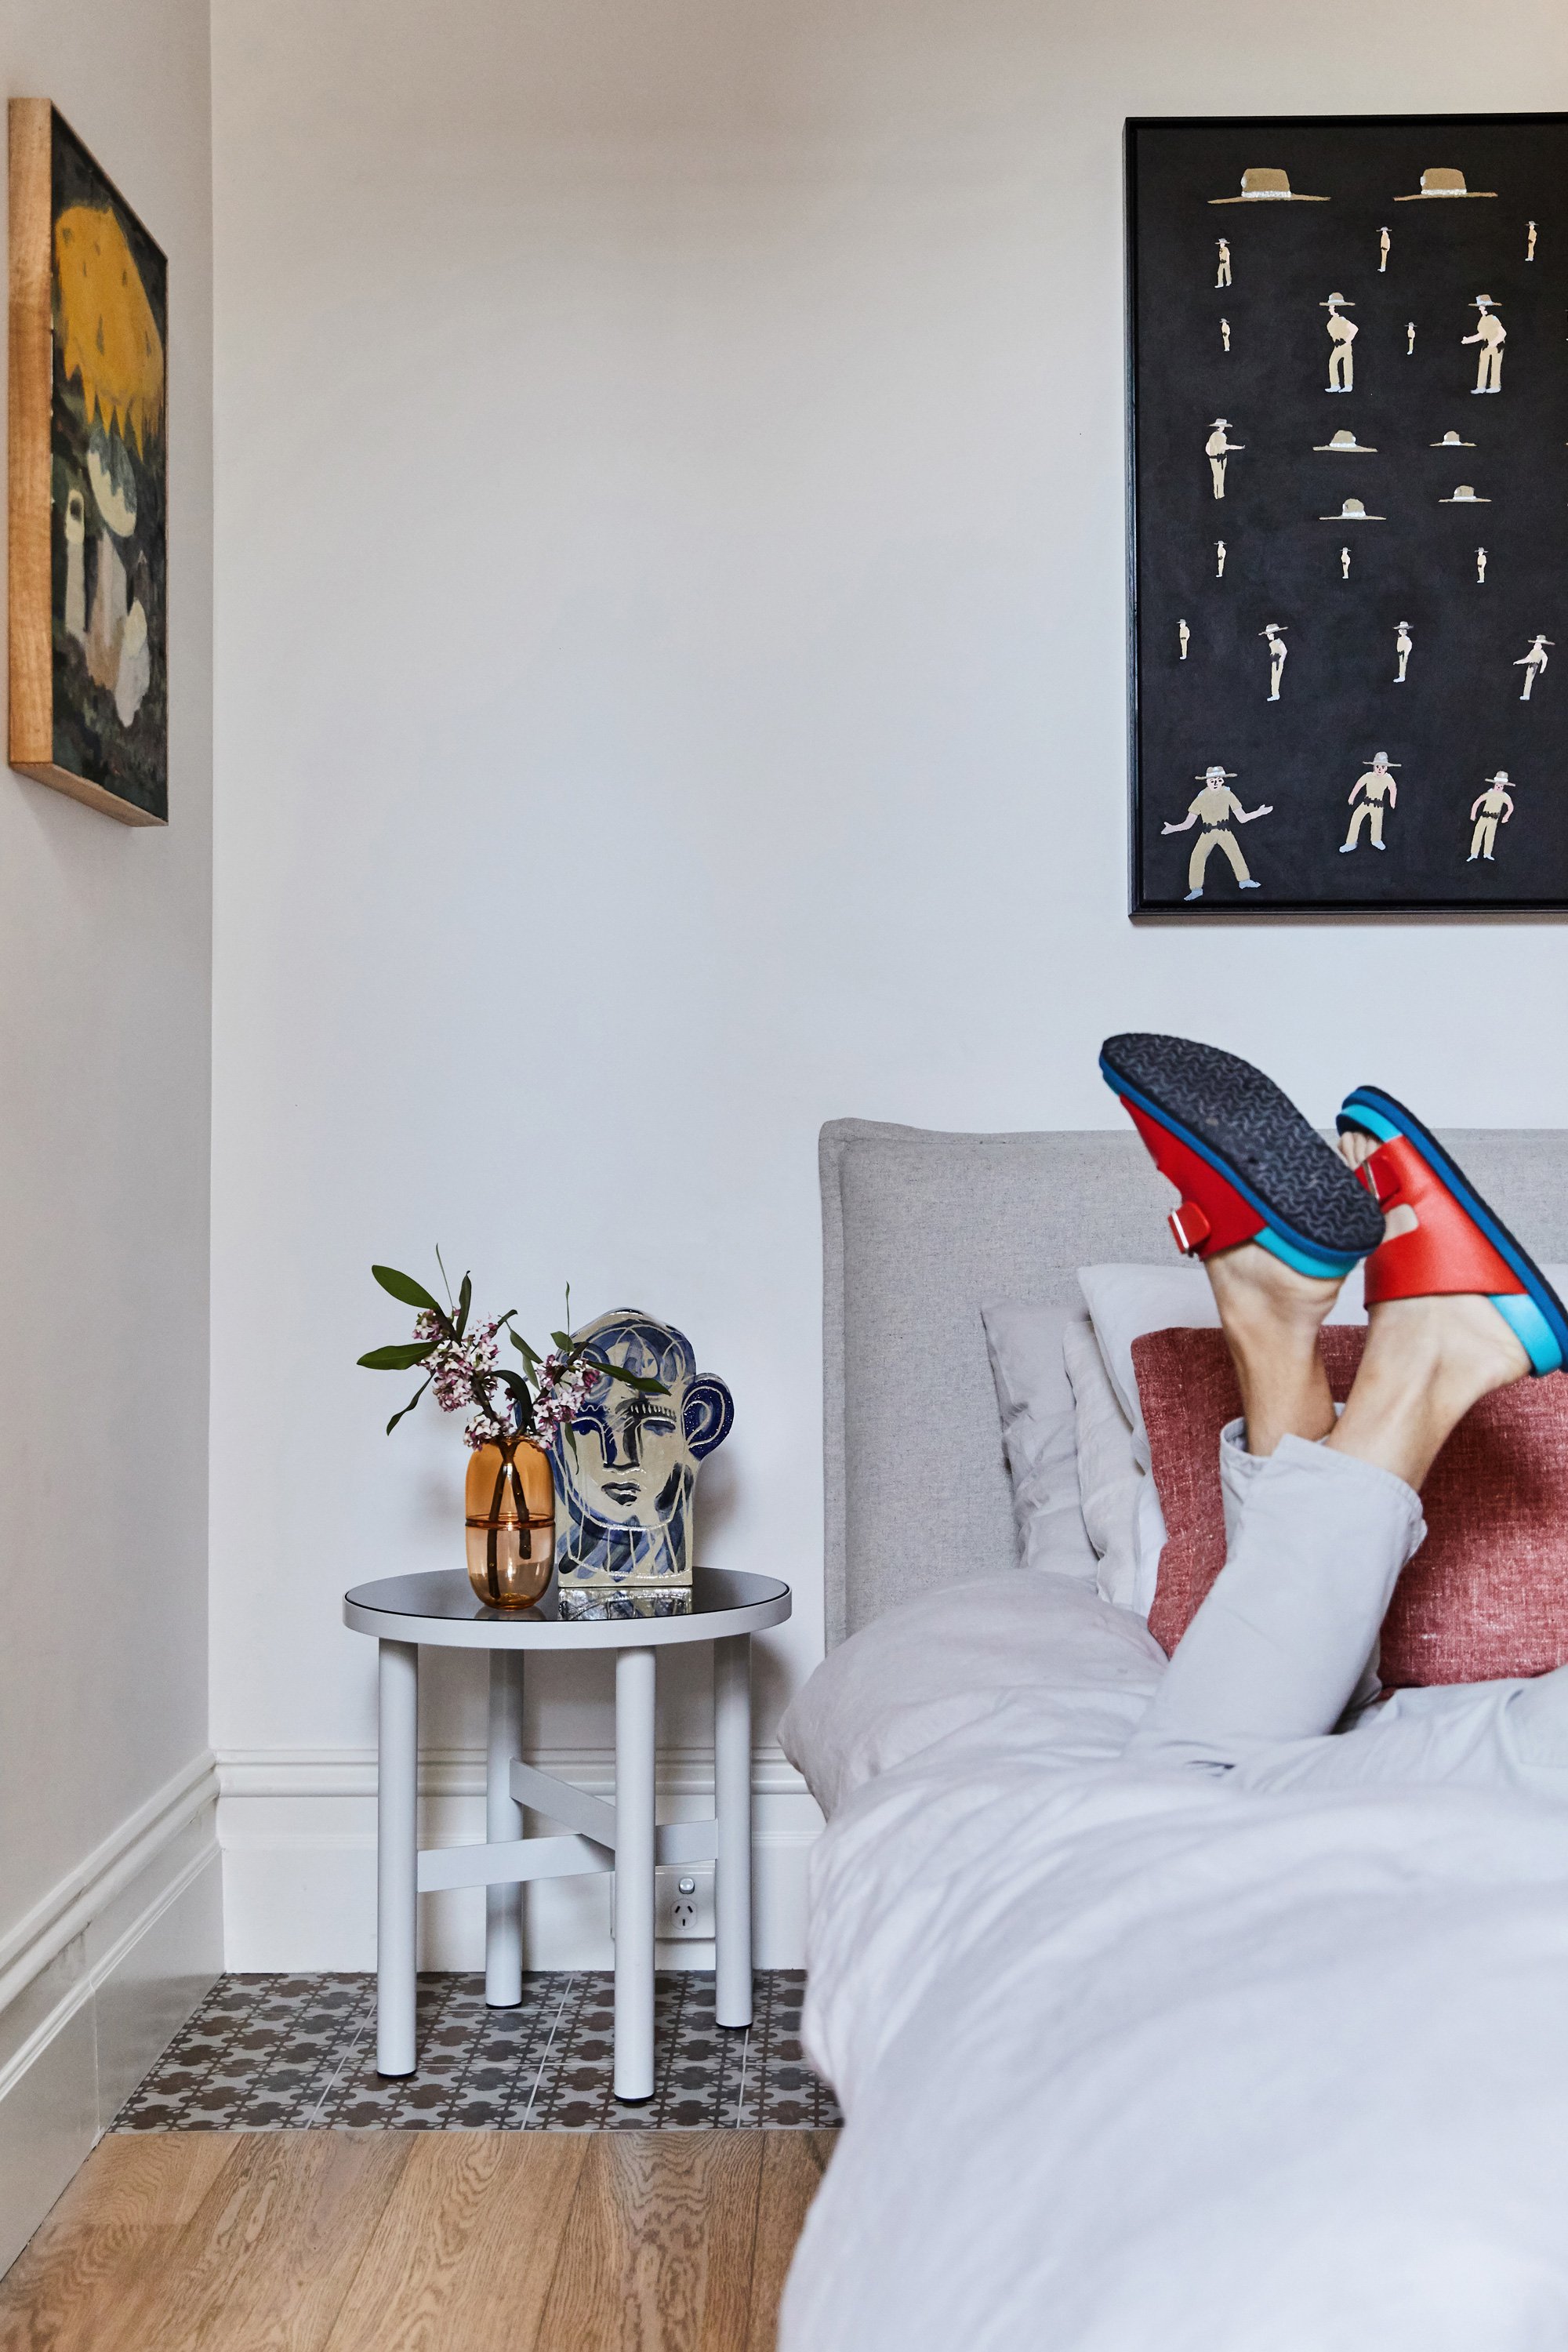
<point>1427,1361</point>
<point>1271,1316</point>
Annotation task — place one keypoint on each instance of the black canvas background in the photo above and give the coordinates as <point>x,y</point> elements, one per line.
<point>1459,716</point>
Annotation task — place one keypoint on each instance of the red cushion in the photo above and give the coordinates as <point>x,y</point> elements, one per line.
<point>1486,1594</point>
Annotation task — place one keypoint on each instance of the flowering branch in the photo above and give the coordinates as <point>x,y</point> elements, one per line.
<point>464,1368</point>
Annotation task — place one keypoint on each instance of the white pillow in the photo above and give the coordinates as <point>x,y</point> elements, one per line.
<point>1109,1478</point>
<point>1023,1340</point>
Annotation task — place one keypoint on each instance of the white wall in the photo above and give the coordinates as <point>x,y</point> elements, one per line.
<point>670,683</point>
<point>108,1859</point>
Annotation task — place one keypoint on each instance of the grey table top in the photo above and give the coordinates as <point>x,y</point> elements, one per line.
<point>440,1610</point>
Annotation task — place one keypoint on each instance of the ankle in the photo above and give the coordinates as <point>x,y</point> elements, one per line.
<point>1305,1410</point>
<point>1271,1316</point>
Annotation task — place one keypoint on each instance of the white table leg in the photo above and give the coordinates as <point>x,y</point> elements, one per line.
<point>633,1873</point>
<point>504,1821</point>
<point>732,1805</point>
<point>396,1855</point>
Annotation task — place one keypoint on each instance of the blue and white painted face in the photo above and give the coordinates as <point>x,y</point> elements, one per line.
<point>635,1463</point>
<point>631,1449</point>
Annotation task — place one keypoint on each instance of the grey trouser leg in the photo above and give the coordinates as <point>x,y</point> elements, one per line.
<point>1509,1735</point>
<point>1317,1542</point>
<point>1237,1469</point>
<point>1535,1722</point>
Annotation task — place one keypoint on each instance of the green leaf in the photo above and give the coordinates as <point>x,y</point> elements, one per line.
<point>400,1358</point>
<point>465,1300</point>
<point>523,1349</point>
<point>403,1286</point>
<point>408,1407</point>
<point>517,1389</point>
<point>562,1339</point>
<point>642,1382</point>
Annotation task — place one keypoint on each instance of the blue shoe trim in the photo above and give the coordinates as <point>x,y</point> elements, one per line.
<point>1294,1248</point>
<point>1366,1122</point>
<point>1379,1114</point>
<point>1304,1261</point>
<point>1533,1332</point>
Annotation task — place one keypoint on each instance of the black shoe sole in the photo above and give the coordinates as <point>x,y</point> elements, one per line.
<point>1244,1126</point>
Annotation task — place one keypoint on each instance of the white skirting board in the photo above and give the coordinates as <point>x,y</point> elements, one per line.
<point>94,1984</point>
<point>298,1831</point>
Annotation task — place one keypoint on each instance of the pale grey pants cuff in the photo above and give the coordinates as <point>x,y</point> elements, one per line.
<point>1316,1541</point>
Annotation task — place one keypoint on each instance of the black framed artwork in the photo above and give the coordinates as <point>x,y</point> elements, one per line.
<point>1348,421</point>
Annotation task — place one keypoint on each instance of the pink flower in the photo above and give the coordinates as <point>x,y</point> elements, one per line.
<point>465,1377</point>
<point>462,1375</point>
<point>564,1385</point>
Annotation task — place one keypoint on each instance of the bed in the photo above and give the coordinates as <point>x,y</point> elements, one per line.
<point>1131,2063</point>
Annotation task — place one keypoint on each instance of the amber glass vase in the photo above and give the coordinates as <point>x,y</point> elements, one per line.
<point>511,1506</point>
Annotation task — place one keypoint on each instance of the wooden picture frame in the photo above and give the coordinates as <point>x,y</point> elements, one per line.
<point>88,504</point>
<point>1348,584</point>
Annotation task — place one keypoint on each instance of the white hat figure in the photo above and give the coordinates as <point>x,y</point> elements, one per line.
<point>1336,302</point>
<point>1353,510</point>
<point>1442,180</point>
<point>1483,302</point>
<point>1463,496</point>
<point>1501,777</point>
<point>1217,776</point>
<point>1261,183</point>
<point>1450,441</point>
<point>1345,444</point>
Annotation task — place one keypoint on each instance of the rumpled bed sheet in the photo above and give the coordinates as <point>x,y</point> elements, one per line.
<point>1141,2061</point>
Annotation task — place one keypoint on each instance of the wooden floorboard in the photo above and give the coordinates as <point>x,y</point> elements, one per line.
<point>114,2224</point>
<point>408,2241</point>
<point>265,2262</point>
<point>465,2249</point>
<point>658,2246</point>
<point>792,2164</point>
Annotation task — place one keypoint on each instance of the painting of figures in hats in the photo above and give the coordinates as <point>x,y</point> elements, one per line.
<point>1348,412</point>
<point>88,618</point>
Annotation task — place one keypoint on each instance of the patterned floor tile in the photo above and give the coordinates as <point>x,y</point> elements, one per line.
<point>291,2053</point>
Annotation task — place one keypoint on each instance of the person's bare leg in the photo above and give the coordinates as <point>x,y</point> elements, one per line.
<point>1427,1361</point>
<point>1270,1316</point>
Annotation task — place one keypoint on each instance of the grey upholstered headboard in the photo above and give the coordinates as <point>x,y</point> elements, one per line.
<point>919,1228</point>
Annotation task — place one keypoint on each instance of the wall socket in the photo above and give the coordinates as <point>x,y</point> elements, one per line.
<point>682,1905</point>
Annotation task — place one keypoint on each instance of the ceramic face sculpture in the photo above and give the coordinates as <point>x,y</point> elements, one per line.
<point>626,1489</point>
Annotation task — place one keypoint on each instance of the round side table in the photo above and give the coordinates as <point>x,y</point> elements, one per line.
<point>439,1610</point>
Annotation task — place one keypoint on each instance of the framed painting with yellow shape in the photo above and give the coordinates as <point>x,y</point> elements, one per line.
<point>88,547</point>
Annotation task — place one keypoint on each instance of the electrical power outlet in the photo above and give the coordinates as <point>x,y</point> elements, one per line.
<point>682,1905</point>
<point>685,1909</point>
